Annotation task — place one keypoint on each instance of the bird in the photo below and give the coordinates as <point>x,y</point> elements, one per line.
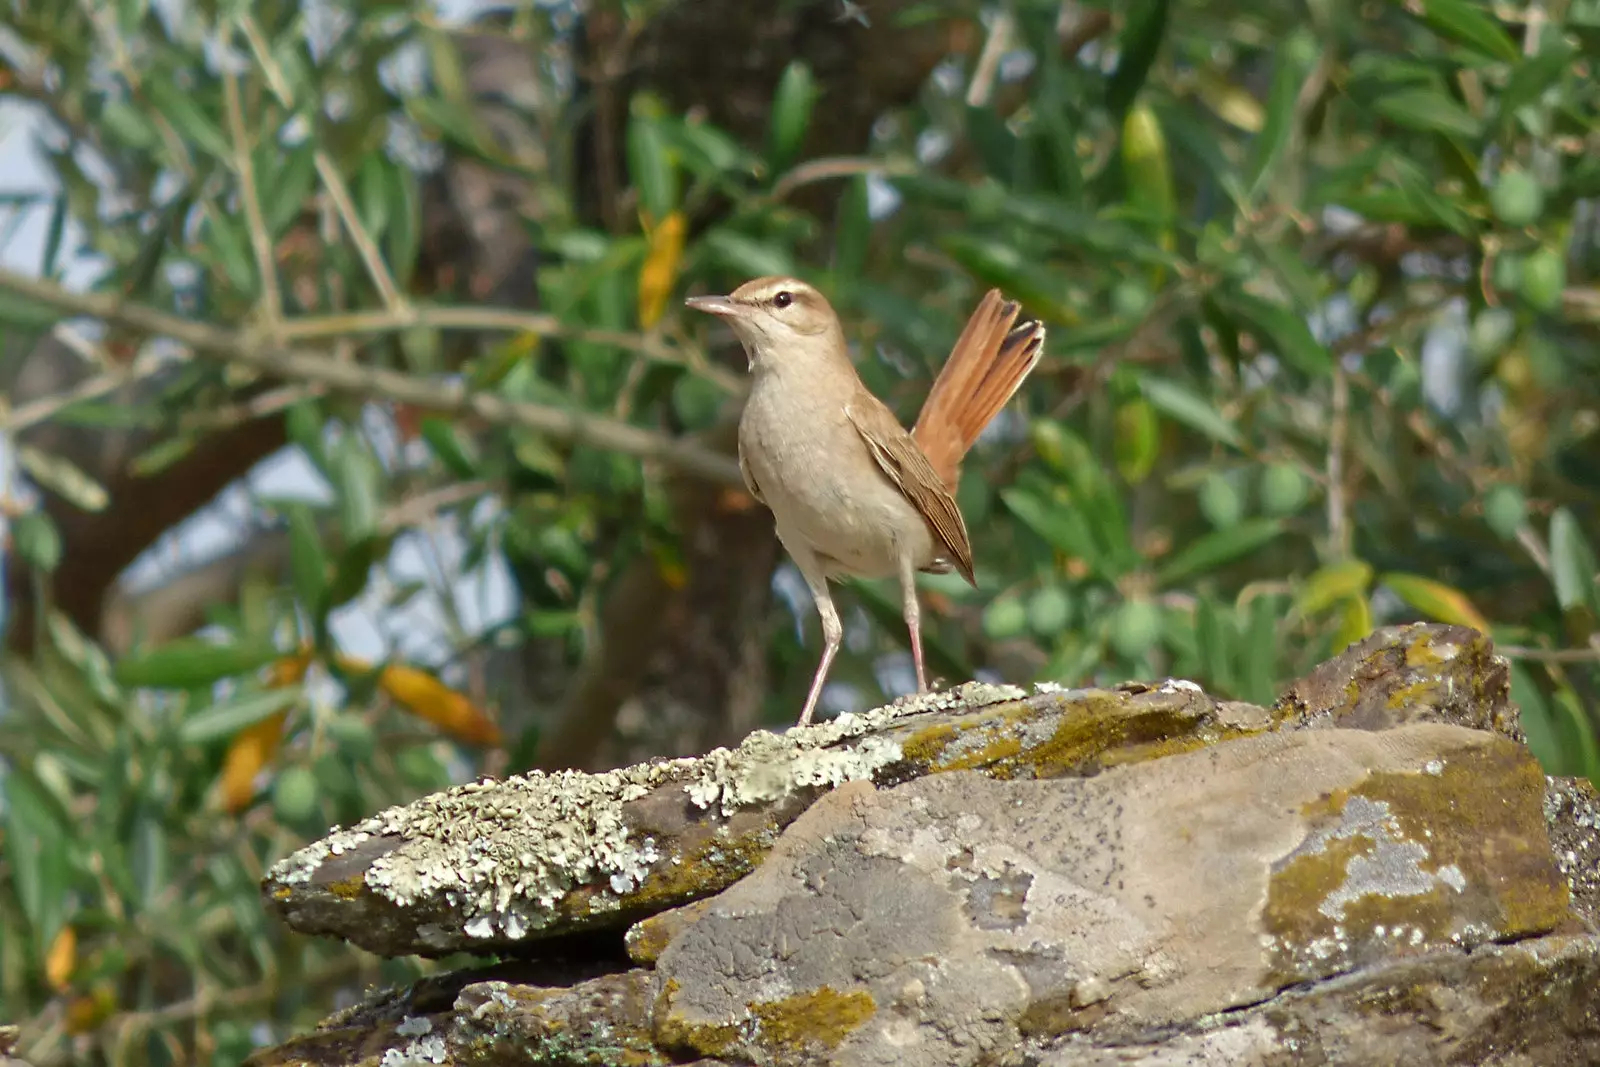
<point>853,494</point>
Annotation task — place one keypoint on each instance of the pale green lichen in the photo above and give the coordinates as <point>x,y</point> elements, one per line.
<point>507,855</point>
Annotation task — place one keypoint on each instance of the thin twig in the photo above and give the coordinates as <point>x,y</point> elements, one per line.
<point>1338,432</point>
<point>255,222</point>
<point>988,66</point>
<point>371,258</point>
<point>252,350</point>
<point>830,168</point>
<point>1550,655</point>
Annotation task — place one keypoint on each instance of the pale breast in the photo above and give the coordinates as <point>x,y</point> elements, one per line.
<point>824,488</point>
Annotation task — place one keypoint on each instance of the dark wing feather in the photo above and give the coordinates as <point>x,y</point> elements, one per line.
<point>904,462</point>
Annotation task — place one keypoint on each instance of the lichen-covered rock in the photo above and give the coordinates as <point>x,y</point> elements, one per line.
<point>496,866</point>
<point>1401,674</point>
<point>1572,811</point>
<point>962,913</point>
<point>1373,870</point>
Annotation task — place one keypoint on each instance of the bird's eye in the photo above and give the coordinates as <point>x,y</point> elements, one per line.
<point>783,299</point>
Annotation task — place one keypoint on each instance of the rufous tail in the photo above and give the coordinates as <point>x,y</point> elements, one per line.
<point>986,367</point>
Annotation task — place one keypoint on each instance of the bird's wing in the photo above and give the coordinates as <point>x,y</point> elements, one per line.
<point>904,462</point>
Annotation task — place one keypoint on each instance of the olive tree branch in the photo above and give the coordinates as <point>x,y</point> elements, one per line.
<point>251,349</point>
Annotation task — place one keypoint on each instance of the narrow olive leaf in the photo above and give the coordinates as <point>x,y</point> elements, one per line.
<point>1572,562</point>
<point>1258,653</point>
<point>60,476</point>
<point>1331,584</point>
<point>1219,547</point>
<point>1147,173</point>
<point>303,424</point>
<point>738,253</point>
<point>1466,23</point>
<point>854,232</point>
<point>1136,53</point>
<point>791,114</point>
<point>651,167</point>
<point>1530,78</point>
<point>1215,638</point>
<point>53,235</point>
<point>1062,528</point>
<point>1136,440</point>
<point>450,448</point>
<point>356,477</point>
<point>308,561</point>
<point>1537,723</point>
<point>188,118</point>
<point>33,846</point>
<point>229,717</point>
<point>37,540</point>
<point>1178,401</point>
<point>1355,623</point>
<point>403,239</point>
<point>1429,110</point>
<point>188,662</point>
<point>1294,63</point>
<point>1285,330</point>
<point>1001,264</point>
<point>1437,600</point>
<point>294,175</point>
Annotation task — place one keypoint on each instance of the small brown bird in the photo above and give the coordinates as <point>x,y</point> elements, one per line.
<point>853,494</point>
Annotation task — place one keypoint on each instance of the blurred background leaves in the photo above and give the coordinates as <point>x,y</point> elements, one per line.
<point>382,453</point>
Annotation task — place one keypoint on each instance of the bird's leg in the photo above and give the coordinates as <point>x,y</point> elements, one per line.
<point>913,617</point>
<point>832,629</point>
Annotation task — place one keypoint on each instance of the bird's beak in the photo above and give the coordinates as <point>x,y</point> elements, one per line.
<point>720,306</point>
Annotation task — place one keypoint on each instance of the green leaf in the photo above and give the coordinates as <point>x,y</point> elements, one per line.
<point>35,850</point>
<point>1062,528</point>
<point>1429,110</point>
<point>1258,652</point>
<point>1285,330</point>
<point>1295,60</point>
<point>308,561</point>
<point>293,176</point>
<point>1179,402</point>
<point>357,477</point>
<point>188,118</point>
<point>190,662</point>
<point>53,235</point>
<point>1572,562</point>
<point>736,252</point>
<point>1136,53</point>
<point>62,477</point>
<point>1528,81</point>
<point>651,168</point>
<point>1219,547</point>
<point>228,718</point>
<point>1332,584</point>
<point>37,541</point>
<point>1537,723</point>
<point>351,572</point>
<point>791,113</point>
<point>1437,600</point>
<point>303,424</point>
<point>452,450</point>
<point>1465,23</point>
<point>854,232</point>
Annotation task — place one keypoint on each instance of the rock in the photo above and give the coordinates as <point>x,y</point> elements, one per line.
<point>1373,870</point>
<point>1126,903</point>
<point>498,866</point>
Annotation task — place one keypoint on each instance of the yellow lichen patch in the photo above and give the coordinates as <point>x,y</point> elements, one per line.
<point>823,1017</point>
<point>674,1032</point>
<point>347,888</point>
<point>1408,861</point>
<point>925,746</point>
